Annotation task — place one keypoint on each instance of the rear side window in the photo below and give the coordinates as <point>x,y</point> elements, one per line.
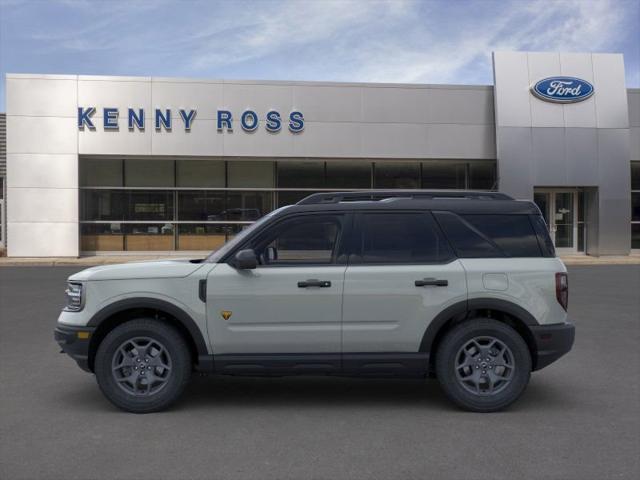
<point>400,238</point>
<point>482,236</point>
<point>467,241</point>
<point>513,234</point>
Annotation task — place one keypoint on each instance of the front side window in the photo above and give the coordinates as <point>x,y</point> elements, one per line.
<point>400,238</point>
<point>302,240</point>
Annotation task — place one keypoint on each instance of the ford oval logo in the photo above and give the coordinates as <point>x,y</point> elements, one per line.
<point>562,89</point>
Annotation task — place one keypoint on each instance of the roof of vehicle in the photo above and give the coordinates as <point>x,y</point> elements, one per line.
<point>457,201</point>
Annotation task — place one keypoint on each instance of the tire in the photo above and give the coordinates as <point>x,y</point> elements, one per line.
<point>483,382</point>
<point>143,365</point>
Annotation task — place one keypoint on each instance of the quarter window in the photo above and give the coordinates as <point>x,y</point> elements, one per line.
<point>513,234</point>
<point>400,238</point>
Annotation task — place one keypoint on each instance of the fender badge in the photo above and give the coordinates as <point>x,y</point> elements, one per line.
<point>226,314</point>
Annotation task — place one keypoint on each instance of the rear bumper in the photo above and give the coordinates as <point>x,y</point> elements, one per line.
<point>552,342</point>
<point>74,345</point>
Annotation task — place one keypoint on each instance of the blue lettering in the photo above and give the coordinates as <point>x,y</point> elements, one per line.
<point>249,120</point>
<point>136,119</point>
<point>296,121</point>
<point>163,120</point>
<point>274,123</point>
<point>187,118</point>
<point>84,117</point>
<point>110,116</point>
<point>225,120</point>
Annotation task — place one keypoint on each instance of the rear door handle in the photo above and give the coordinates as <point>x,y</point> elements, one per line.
<point>431,282</point>
<point>314,283</point>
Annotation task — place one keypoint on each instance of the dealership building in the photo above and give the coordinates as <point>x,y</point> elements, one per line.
<point>119,165</point>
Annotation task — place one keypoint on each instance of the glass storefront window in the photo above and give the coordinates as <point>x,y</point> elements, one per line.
<point>203,190</point>
<point>635,206</point>
<point>635,175</point>
<point>397,175</point>
<point>150,205</point>
<point>103,205</point>
<point>635,236</point>
<point>291,198</point>
<point>257,174</point>
<point>200,173</point>
<point>101,172</point>
<point>482,176</point>
<point>101,237</point>
<point>300,175</point>
<point>148,237</point>
<point>200,205</point>
<point>443,175</point>
<point>203,236</point>
<point>149,173</point>
<point>347,175</point>
<point>247,206</point>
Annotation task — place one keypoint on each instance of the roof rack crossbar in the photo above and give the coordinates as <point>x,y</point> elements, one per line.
<point>378,195</point>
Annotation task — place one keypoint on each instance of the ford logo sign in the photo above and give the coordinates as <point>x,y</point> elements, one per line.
<point>562,89</point>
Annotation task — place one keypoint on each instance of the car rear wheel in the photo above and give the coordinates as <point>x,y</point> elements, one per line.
<point>483,365</point>
<point>143,365</point>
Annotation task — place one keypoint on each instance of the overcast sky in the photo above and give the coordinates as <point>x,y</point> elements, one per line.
<point>436,41</point>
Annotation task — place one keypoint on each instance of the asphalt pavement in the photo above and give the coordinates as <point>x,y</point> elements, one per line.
<point>579,418</point>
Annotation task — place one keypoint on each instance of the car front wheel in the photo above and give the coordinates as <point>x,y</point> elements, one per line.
<point>143,365</point>
<point>483,365</point>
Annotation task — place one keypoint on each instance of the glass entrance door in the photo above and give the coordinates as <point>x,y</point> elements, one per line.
<point>559,208</point>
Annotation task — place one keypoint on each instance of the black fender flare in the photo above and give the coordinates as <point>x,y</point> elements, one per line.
<point>461,309</point>
<point>155,304</point>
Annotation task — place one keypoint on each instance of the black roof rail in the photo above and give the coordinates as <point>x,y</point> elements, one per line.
<point>378,195</point>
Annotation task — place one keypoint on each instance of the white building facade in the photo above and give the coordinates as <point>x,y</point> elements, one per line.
<point>138,164</point>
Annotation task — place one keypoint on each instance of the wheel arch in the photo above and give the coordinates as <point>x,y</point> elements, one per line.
<point>502,310</point>
<point>121,311</point>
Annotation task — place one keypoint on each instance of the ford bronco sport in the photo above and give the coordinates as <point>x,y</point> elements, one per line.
<point>463,286</point>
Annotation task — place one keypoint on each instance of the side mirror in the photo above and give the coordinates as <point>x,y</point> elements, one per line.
<point>245,260</point>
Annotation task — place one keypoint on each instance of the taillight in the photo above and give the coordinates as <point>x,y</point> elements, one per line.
<point>562,289</point>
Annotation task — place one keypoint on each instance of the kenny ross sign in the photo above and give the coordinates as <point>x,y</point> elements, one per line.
<point>249,120</point>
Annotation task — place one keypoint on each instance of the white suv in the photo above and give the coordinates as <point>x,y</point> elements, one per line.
<point>463,286</point>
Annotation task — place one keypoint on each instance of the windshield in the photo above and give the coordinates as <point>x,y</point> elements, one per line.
<point>216,255</point>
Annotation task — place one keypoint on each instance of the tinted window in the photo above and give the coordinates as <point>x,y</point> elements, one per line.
<point>409,238</point>
<point>466,240</point>
<point>513,234</point>
<point>310,239</point>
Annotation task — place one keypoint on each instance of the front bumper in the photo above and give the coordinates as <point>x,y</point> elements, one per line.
<point>552,342</point>
<point>75,341</point>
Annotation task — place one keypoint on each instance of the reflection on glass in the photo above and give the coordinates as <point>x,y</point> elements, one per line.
<point>442,175</point>
<point>246,206</point>
<point>301,174</point>
<point>200,205</point>
<point>149,173</point>
<point>101,237</point>
<point>346,175</point>
<point>482,175</point>
<point>148,237</point>
<point>563,218</point>
<point>200,173</point>
<point>635,235</point>
<point>542,200</point>
<point>397,175</point>
<point>291,198</point>
<point>101,172</point>
<point>204,236</point>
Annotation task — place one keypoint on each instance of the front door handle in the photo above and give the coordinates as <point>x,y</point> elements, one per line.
<point>314,283</point>
<point>431,282</point>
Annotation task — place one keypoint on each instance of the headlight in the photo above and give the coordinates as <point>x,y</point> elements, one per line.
<point>75,300</point>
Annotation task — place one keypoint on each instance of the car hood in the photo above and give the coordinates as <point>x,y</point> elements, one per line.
<point>134,270</point>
